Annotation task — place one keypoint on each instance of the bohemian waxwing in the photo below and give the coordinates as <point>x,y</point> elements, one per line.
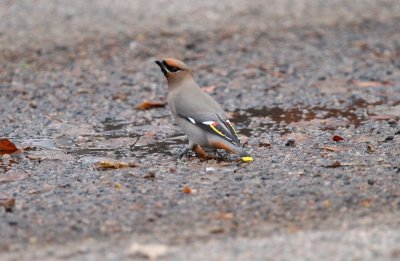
<point>197,113</point>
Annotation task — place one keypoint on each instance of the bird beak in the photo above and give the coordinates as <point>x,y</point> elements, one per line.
<point>163,66</point>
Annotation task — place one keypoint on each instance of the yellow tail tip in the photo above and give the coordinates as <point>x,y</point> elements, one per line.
<point>247,159</point>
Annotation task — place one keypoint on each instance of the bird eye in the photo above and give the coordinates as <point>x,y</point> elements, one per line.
<point>174,69</point>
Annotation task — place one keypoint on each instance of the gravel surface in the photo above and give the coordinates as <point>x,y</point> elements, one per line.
<point>291,74</point>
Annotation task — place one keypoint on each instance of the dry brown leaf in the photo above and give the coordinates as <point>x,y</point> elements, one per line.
<point>209,89</point>
<point>187,189</point>
<point>145,105</point>
<point>337,138</point>
<point>106,164</point>
<point>225,216</point>
<point>7,203</point>
<point>7,147</point>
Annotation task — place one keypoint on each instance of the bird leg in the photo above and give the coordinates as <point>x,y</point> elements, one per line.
<point>201,153</point>
<point>184,151</point>
<point>218,153</point>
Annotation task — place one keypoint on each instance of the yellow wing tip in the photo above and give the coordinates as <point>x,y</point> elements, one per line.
<point>247,159</point>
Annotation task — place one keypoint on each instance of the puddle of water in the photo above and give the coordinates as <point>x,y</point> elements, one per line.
<point>161,147</point>
<point>113,128</point>
<point>281,118</point>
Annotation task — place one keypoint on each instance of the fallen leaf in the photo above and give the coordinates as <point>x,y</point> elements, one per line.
<point>337,138</point>
<point>7,147</point>
<point>117,186</point>
<point>187,189</point>
<point>209,89</point>
<point>7,203</point>
<point>145,105</point>
<point>106,164</point>
<point>225,216</point>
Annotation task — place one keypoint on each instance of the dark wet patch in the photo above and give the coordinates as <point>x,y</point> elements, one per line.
<point>161,147</point>
<point>280,118</point>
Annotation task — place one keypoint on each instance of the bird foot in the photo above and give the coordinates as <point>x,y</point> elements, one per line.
<point>184,152</point>
<point>201,153</point>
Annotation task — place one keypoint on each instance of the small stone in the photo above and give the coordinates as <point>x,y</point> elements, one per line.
<point>290,143</point>
<point>150,251</point>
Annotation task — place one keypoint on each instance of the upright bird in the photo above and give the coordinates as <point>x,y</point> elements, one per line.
<point>197,113</point>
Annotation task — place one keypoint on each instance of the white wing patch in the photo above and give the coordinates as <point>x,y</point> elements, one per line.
<point>208,122</point>
<point>192,120</point>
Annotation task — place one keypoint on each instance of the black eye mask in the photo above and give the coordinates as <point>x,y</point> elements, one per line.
<point>173,69</point>
<point>170,68</point>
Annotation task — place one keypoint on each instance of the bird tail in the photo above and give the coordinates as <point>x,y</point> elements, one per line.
<point>245,156</point>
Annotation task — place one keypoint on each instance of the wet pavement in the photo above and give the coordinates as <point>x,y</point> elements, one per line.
<point>97,178</point>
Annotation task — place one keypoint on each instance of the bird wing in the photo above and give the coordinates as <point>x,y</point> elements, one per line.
<point>215,123</point>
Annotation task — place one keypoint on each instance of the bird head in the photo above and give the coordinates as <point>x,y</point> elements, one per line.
<point>171,67</point>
